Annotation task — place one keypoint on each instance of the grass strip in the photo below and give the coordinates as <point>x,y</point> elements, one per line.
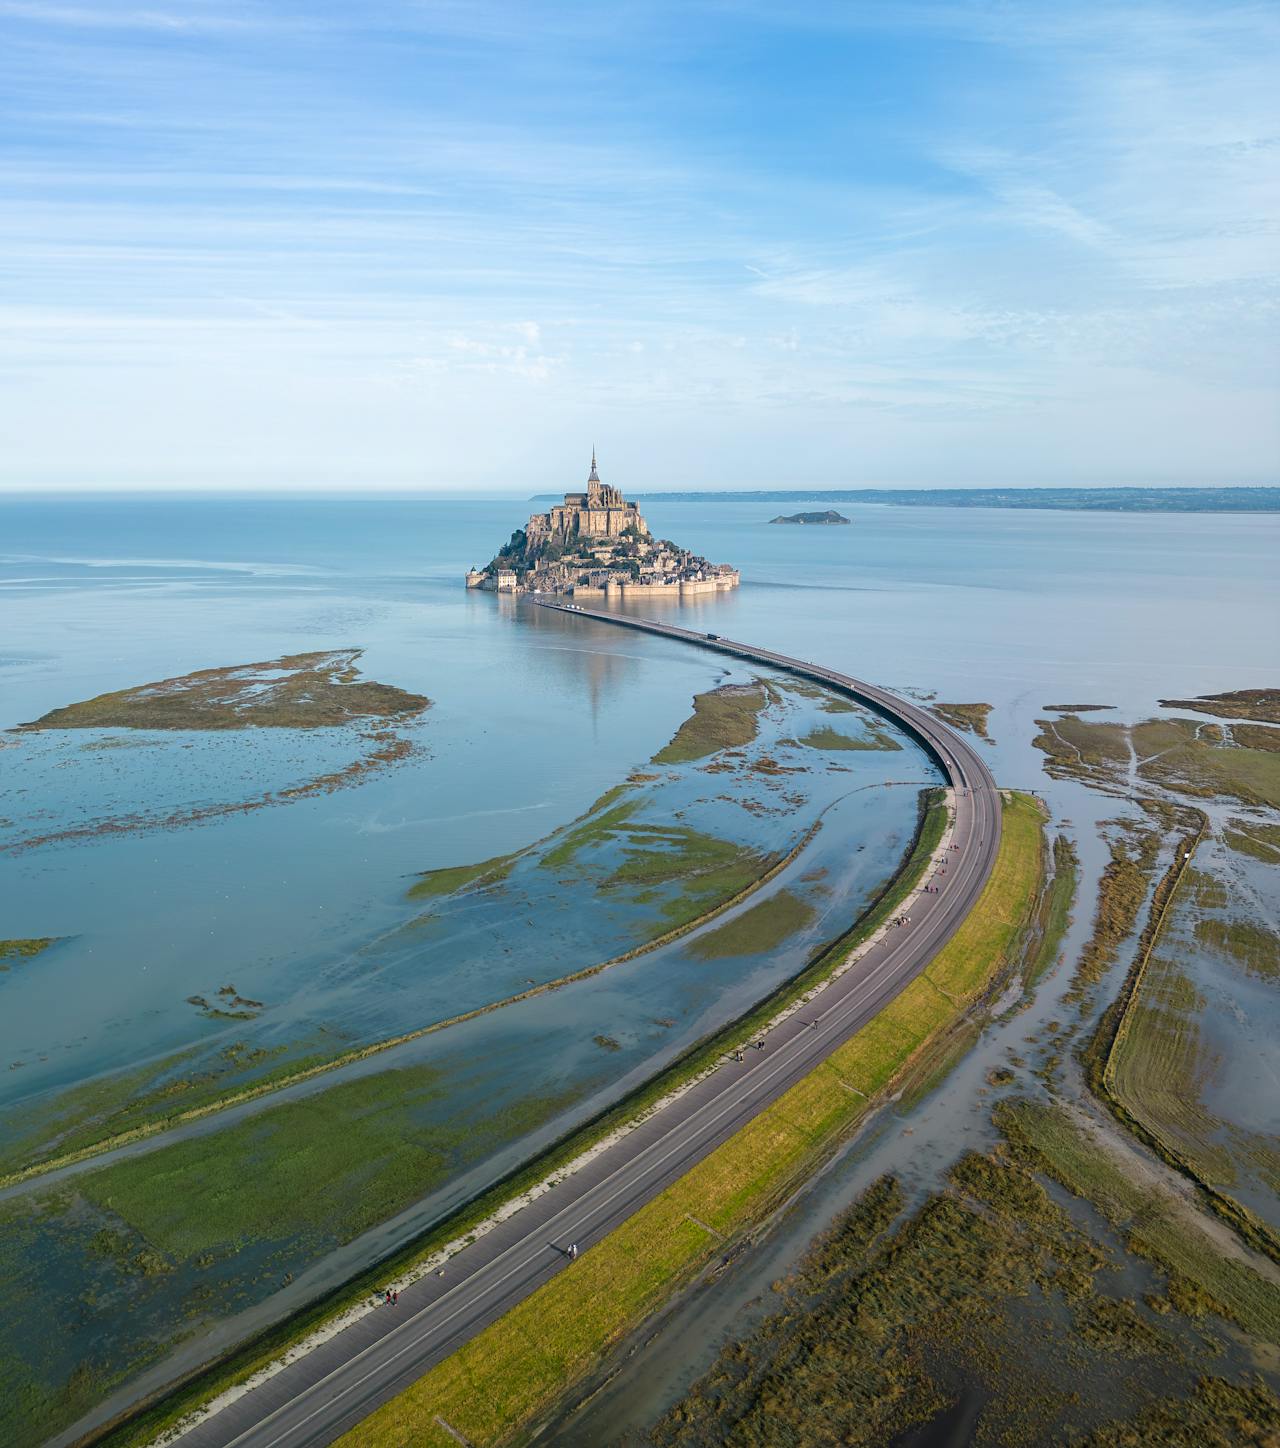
<point>519,1365</point>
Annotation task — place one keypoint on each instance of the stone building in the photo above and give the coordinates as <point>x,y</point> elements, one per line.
<point>596,543</point>
<point>600,512</point>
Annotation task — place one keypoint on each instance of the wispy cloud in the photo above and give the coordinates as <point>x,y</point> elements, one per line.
<point>267,242</point>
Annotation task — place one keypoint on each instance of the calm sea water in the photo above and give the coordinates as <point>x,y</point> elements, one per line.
<point>530,722</point>
<point>532,719</point>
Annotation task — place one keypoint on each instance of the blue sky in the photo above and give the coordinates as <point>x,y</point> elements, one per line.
<point>733,242</point>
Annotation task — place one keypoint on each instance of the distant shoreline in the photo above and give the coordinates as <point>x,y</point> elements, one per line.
<point>1084,500</point>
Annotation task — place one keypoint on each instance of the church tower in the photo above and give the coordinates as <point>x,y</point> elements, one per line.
<point>594,476</point>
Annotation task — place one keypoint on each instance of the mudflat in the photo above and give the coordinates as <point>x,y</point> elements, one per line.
<point>298,691</point>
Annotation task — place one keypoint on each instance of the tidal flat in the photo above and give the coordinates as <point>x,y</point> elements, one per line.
<point>968,718</point>
<point>1203,761</point>
<point>991,1304</point>
<point>218,1202</point>
<point>533,718</point>
<point>1260,704</point>
<point>301,691</point>
<point>631,871</point>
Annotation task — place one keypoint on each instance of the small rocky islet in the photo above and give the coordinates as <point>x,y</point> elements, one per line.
<point>827,516</point>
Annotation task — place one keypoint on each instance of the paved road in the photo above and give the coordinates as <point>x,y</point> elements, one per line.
<point>333,1387</point>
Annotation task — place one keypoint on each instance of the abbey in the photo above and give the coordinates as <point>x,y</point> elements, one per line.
<point>596,543</point>
<point>600,512</point>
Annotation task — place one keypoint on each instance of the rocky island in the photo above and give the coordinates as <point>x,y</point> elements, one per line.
<point>828,516</point>
<point>596,544</point>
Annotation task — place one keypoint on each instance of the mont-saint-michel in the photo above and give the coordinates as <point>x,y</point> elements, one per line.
<point>597,544</point>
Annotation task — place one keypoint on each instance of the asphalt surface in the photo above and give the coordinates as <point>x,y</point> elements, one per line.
<point>331,1388</point>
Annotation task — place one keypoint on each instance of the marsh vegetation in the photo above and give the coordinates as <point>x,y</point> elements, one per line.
<point>969,718</point>
<point>298,691</point>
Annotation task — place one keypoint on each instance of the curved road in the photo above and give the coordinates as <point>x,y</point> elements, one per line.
<point>335,1385</point>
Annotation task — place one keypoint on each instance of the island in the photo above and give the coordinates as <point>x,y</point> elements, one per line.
<point>596,544</point>
<point>829,516</point>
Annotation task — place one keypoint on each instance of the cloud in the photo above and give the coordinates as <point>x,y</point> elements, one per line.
<point>331,240</point>
<point>191,20</point>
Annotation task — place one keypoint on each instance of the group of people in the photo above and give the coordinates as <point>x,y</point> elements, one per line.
<point>391,1298</point>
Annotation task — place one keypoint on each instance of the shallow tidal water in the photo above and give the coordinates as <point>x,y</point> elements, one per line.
<point>533,718</point>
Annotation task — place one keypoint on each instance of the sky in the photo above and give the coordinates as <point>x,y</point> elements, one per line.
<point>452,244</point>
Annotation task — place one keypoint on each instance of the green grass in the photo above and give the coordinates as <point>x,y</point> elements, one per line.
<point>1047,1138</point>
<point>15,951</point>
<point>1096,742</point>
<point>1253,946</point>
<point>301,691</point>
<point>1256,736</point>
<point>879,1305</point>
<point>597,829</point>
<point>432,883</point>
<point>1056,914</point>
<point>704,892</point>
<point>1199,768</point>
<point>971,718</point>
<point>1217,1414</point>
<point>993,928</point>
<point>1122,892</point>
<point>1180,754</point>
<point>1258,841</point>
<point>760,928</point>
<point>723,718</point>
<point>1157,1067</point>
<point>520,1363</point>
<point>655,854</point>
<point>828,738</point>
<point>325,1167</point>
<point>1263,704</point>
